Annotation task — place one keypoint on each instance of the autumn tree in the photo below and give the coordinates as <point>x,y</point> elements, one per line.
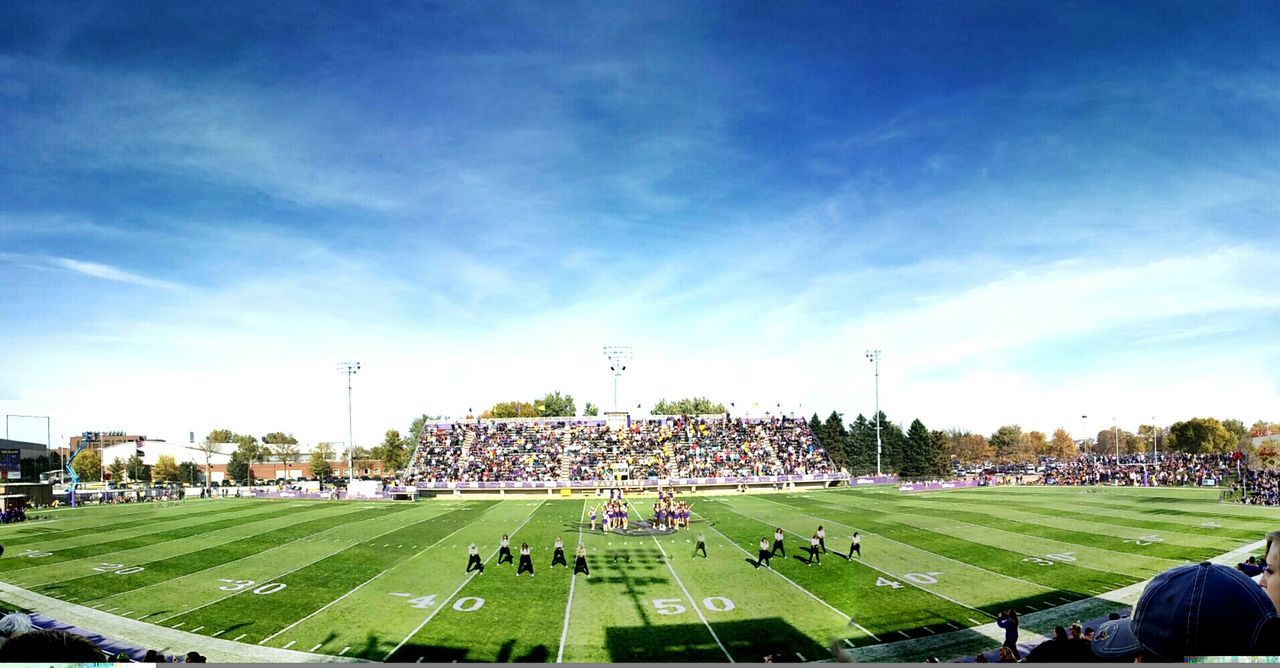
<point>1200,435</point>
<point>511,409</point>
<point>209,448</point>
<point>1062,448</point>
<point>165,469</point>
<point>1010,445</point>
<point>1036,443</point>
<point>971,448</point>
<point>88,465</point>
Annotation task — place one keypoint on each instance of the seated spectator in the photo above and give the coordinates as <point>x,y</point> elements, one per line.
<point>13,624</point>
<point>1007,655</point>
<point>49,646</point>
<point>1194,610</point>
<point>1061,649</point>
<point>1250,567</point>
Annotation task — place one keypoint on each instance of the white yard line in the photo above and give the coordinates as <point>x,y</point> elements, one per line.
<point>292,570</point>
<point>692,603</point>
<point>912,547</point>
<point>455,591</point>
<point>847,618</point>
<point>920,587</point>
<point>568,606</point>
<point>360,586</point>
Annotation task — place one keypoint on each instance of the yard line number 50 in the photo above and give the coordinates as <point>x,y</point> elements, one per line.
<point>675,606</point>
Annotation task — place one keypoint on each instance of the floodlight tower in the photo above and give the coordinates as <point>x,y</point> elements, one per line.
<point>618,358</point>
<point>874,357</point>
<point>349,368</point>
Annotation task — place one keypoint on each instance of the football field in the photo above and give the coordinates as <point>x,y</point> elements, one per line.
<point>386,581</point>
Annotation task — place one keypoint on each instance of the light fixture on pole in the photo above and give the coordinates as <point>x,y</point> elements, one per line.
<point>1084,432</point>
<point>618,358</point>
<point>874,357</point>
<point>349,368</point>
<point>1115,429</point>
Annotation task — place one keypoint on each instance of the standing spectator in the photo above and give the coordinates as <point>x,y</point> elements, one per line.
<point>1008,620</point>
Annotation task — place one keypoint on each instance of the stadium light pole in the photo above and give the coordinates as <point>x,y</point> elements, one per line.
<point>874,357</point>
<point>1155,440</point>
<point>618,358</point>
<point>349,368</point>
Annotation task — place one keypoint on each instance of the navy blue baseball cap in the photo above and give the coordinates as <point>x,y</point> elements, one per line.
<point>1194,610</point>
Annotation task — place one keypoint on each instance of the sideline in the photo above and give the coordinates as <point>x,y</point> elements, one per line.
<point>1087,608</point>
<point>152,636</point>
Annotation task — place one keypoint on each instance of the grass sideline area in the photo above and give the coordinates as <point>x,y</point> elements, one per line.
<point>385,581</point>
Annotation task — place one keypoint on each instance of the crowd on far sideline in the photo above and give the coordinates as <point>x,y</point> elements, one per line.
<point>1257,488</point>
<point>1165,470</point>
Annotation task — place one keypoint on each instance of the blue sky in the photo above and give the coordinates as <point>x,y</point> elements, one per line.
<point>1036,210</point>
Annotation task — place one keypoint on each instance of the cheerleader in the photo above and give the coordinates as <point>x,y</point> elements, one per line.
<point>473,559</point>
<point>813,551</point>
<point>580,561</point>
<point>778,547</point>
<point>526,563</point>
<point>593,519</point>
<point>855,547</point>
<point>625,512</point>
<point>504,550</point>
<point>557,557</point>
<point>822,538</point>
<point>606,517</point>
<point>763,559</point>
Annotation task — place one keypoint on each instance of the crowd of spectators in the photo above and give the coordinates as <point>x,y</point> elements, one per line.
<point>660,447</point>
<point>1257,488</point>
<point>11,515</point>
<point>1172,469</point>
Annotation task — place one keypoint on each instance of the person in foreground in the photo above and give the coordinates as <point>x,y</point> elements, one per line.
<point>1194,610</point>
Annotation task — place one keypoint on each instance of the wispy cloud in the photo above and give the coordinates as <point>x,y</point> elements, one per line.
<point>110,273</point>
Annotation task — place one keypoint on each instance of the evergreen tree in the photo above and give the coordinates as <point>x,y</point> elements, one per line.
<point>893,443</point>
<point>862,446</point>
<point>918,453</point>
<point>834,439</point>
<point>941,455</point>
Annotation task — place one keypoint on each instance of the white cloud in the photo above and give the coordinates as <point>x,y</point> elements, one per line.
<point>109,273</point>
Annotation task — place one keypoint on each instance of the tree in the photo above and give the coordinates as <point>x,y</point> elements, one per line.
<point>941,465</point>
<point>285,453</point>
<point>554,405</point>
<point>590,410</point>
<point>834,439</point>
<point>187,472</point>
<point>210,447</point>
<point>221,436</point>
<point>1036,443</point>
<point>247,453</point>
<point>862,446</point>
<point>893,443</point>
<point>1106,442</point>
<point>393,452</point>
<point>689,406</point>
<point>165,469</point>
<point>1062,448</point>
<point>88,465</point>
<point>971,448</point>
<point>510,409</point>
<point>136,470</point>
<point>117,470</point>
<point>319,462</point>
<point>917,456</point>
<point>1200,435</point>
<point>1237,430</point>
<point>1008,443</point>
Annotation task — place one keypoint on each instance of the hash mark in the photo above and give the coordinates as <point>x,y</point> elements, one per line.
<point>178,624</point>
<point>290,644</point>
<point>239,637</point>
<point>344,651</point>
<point>975,621</point>
<point>219,633</point>
<point>115,608</point>
<point>316,647</point>
<point>196,629</point>
<point>97,606</point>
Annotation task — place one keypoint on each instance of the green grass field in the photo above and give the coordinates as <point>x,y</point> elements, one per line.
<point>385,581</point>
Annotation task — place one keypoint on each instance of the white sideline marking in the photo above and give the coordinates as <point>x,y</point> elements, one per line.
<point>111,609</point>
<point>239,637</point>
<point>692,603</point>
<point>344,651</point>
<point>920,587</point>
<point>97,606</point>
<point>196,629</point>
<point>126,614</point>
<point>176,625</point>
<point>219,633</point>
<point>796,585</point>
<point>289,644</point>
<point>801,656</point>
<point>361,585</point>
<point>316,647</point>
<point>564,633</point>
<point>903,634</point>
<point>931,631</point>
<point>147,615</point>
<point>455,591</point>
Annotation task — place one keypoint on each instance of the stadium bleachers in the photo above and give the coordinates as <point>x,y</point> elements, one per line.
<point>658,447</point>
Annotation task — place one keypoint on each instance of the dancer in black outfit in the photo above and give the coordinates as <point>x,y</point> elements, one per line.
<point>822,538</point>
<point>580,561</point>
<point>856,546</point>
<point>526,563</point>
<point>557,557</point>
<point>763,559</point>
<point>504,550</point>
<point>813,551</point>
<point>701,546</point>
<point>778,548</point>
<point>473,559</point>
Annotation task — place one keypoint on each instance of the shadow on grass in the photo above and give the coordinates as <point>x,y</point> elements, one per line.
<point>748,640</point>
